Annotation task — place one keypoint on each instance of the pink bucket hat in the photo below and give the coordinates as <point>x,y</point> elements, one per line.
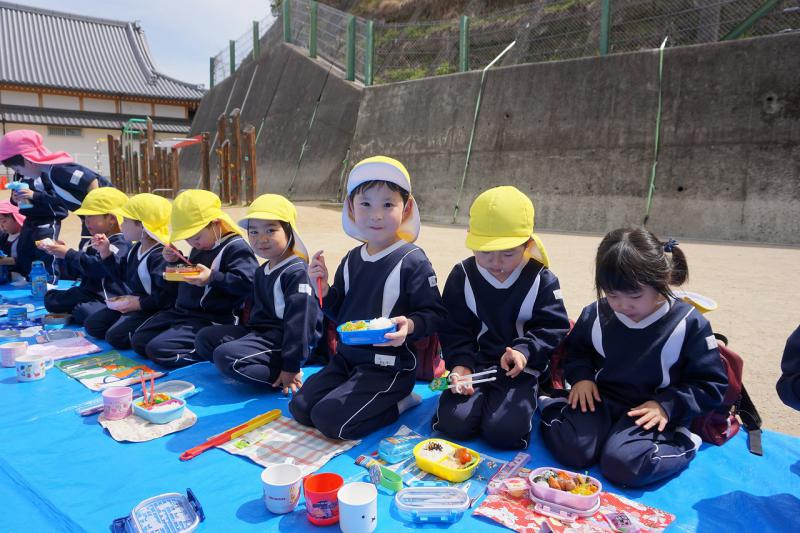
<point>7,208</point>
<point>28,144</point>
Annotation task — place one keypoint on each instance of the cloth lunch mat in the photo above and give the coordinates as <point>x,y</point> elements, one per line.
<point>63,348</point>
<point>110,369</point>
<point>412,474</point>
<point>133,428</point>
<point>284,439</point>
<point>518,515</point>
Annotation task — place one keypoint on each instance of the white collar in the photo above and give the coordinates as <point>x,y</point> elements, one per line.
<point>496,283</point>
<point>268,270</point>
<point>662,310</point>
<point>380,255</point>
<point>141,252</point>
<point>12,236</point>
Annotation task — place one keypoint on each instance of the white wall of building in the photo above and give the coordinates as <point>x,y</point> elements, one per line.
<point>135,108</point>
<point>19,98</point>
<point>60,101</point>
<point>173,111</point>
<point>99,105</point>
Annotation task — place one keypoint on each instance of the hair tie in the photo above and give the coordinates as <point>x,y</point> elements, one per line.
<point>669,245</point>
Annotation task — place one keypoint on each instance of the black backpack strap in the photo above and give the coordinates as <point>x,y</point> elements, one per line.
<point>752,422</point>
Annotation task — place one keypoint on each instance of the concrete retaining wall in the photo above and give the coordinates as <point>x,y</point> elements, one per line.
<point>577,136</point>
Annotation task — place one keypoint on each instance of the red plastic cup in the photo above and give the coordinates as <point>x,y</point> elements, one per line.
<point>322,505</point>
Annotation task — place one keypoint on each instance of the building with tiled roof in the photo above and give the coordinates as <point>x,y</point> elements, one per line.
<point>75,79</point>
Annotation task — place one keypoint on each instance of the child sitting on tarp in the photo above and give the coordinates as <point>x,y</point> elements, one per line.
<point>789,383</point>
<point>11,222</point>
<point>145,222</point>
<point>642,365</point>
<point>285,320</point>
<point>365,387</point>
<point>226,266</point>
<point>56,185</point>
<point>505,312</point>
<point>90,295</point>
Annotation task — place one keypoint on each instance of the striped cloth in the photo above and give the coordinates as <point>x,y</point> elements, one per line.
<point>285,440</point>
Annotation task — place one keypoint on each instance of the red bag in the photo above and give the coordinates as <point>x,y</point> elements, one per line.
<point>721,424</point>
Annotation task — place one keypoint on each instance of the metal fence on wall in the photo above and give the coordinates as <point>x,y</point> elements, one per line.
<point>546,30</point>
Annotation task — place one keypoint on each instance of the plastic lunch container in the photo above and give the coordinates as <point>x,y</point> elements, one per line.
<point>180,273</point>
<point>170,512</point>
<point>398,448</point>
<point>432,504</point>
<point>437,468</point>
<point>159,417</point>
<point>364,336</point>
<point>574,502</point>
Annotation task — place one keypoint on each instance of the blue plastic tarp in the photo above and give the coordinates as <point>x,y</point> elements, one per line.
<point>63,472</point>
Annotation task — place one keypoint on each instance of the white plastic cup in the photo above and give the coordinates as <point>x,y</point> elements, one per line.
<point>358,507</point>
<point>10,351</point>
<point>32,367</point>
<point>281,487</point>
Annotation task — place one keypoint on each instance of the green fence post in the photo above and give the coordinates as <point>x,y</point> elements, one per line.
<point>351,48</point>
<point>287,22</point>
<point>232,51</point>
<point>312,32</point>
<point>256,41</point>
<point>747,23</point>
<point>369,53</point>
<point>211,64</point>
<point>463,44</point>
<point>605,21</point>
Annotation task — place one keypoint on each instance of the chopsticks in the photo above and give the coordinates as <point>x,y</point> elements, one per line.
<point>179,254</point>
<point>319,291</point>
<point>231,434</point>
<point>148,399</point>
<point>473,381</point>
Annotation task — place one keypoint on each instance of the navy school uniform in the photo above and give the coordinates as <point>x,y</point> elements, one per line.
<point>142,276</point>
<point>285,323</point>
<point>358,390</point>
<point>8,245</point>
<point>525,312</point>
<point>55,193</point>
<point>789,383</point>
<point>670,357</point>
<point>95,284</point>
<point>168,337</point>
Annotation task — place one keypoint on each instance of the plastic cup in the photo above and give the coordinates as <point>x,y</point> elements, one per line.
<point>322,506</point>
<point>281,487</point>
<point>117,402</point>
<point>10,351</point>
<point>358,507</point>
<point>32,367</point>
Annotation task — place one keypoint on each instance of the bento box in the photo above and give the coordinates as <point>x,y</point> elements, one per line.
<point>446,460</point>
<point>570,493</point>
<point>358,332</point>
<point>180,273</point>
<point>165,409</point>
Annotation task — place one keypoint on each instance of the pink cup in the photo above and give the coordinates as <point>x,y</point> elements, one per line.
<point>117,402</point>
<point>10,351</point>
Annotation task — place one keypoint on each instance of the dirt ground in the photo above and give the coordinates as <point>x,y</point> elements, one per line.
<point>757,288</point>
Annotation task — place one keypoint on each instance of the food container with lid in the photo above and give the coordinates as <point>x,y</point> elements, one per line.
<point>444,464</point>
<point>166,513</point>
<point>432,504</point>
<point>398,448</point>
<point>366,333</point>
<point>560,503</point>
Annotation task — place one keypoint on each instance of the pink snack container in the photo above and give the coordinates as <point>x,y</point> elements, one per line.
<point>117,402</point>
<point>577,502</point>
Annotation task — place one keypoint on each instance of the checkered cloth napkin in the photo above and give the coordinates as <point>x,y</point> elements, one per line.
<point>285,440</point>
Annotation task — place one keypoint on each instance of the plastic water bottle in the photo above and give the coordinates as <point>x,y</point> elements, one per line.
<point>38,279</point>
<point>20,186</point>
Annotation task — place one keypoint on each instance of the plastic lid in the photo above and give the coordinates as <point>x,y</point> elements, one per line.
<point>422,501</point>
<point>170,512</point>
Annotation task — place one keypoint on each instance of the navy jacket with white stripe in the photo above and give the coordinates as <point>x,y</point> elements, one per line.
<point>87,265</point>
<point>286,311</point>
<point>234,266</point>
<point>525,312</point>
<point>399,281</point>
<point>789,382</point>
<point>670,357</point>
<point>144,277</point>
<point>62,188</point>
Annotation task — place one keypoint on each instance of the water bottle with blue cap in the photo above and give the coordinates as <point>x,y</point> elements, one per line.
<point>38,279</point>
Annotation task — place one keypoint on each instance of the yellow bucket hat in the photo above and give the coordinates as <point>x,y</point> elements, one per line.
<point>152,211</point>
<point>276,207</point>
<point>195,209</point>
<point>381,168</point>
<point>502,218</point>
<point>103,201</point>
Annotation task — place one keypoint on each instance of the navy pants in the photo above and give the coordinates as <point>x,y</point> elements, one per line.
<point>76,300</point>
<point>168,338</point>
<point>114,327</point>
<point>27,252</point>
<point>240,353</point>
<point>501,411</point>
<point>347,401</point>
<point>628,455</point>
